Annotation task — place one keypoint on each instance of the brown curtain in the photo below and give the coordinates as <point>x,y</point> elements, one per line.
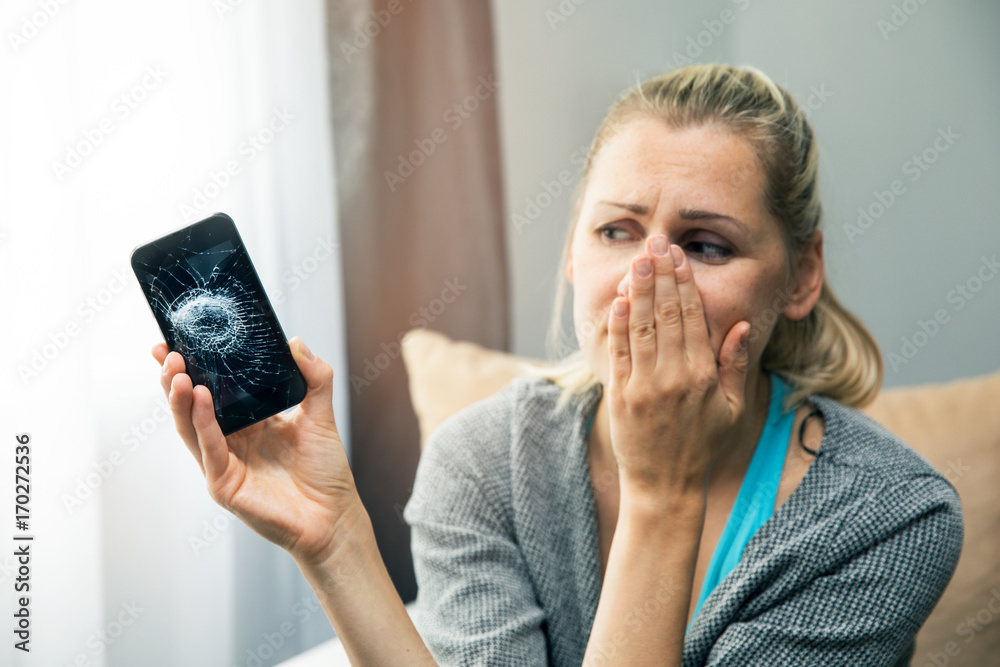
<point>421,216</point>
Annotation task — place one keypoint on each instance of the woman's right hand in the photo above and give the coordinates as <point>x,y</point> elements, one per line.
<point>287,477</point>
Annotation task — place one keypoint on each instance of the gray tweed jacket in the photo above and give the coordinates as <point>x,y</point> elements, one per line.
<point>505,547</point>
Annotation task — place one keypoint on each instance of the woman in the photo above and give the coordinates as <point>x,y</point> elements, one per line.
<point>693,486</point>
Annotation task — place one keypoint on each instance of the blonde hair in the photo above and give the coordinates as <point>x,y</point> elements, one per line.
<point>829,352</point>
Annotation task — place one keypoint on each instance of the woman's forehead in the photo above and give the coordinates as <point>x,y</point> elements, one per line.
<point>647,158</point>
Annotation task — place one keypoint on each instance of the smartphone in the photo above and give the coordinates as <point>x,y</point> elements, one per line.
<point>211,307</point>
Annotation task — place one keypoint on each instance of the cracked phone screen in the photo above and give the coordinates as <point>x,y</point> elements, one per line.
<point>212,309</point>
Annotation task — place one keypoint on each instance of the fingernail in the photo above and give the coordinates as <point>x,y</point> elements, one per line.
<point>658,245</point>
<point>678,255</point>
<point>306,351</point>
<point>621,307</point>
<point>644,267</point>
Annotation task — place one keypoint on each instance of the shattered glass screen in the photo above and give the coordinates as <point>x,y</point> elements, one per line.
<point>211,308</point>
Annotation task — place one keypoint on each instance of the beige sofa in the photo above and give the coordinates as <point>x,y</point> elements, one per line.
<point>955,426</point>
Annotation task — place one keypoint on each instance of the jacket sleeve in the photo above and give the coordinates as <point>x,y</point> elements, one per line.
<point>868,609</point>
<point>476,604</point>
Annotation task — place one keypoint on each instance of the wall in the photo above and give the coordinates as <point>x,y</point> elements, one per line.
<point>880,93</point>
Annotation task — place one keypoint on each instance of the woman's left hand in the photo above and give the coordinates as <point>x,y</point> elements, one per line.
<point>671,402</point>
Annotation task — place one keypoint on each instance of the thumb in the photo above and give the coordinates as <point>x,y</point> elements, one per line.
<point>733,362</point>
<point>318,375</point>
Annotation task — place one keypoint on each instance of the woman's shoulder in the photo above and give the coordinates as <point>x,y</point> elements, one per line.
<point>867,497</point>
<point>494,445</point>
<point>862,453</point>
<point>484,432</point>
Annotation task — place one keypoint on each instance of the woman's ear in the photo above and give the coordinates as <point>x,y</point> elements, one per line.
<point>809,281</point>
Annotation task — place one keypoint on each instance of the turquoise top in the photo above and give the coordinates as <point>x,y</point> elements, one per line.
<point>755,502</point>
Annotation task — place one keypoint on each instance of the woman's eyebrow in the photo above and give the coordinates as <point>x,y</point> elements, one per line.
<point>638,209</point>
<point>684,213</point>
<point>698,214</point>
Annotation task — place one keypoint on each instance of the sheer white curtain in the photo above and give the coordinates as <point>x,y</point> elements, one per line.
<point>122,121</point>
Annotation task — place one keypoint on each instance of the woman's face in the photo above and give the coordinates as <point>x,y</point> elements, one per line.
<point>701,188</point>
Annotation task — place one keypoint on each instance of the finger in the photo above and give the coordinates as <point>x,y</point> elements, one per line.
<point>318,403</point>
<point>642,321</point>
<point>172,365</point>
<point>669,333</point>
<point>692,310</point>
<point>620,360</point>
<point>733,360</point>
<point>179,396</point>
<point>214,450</point>
<point>160,351</point>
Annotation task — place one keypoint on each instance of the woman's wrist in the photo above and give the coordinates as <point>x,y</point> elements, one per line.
<point>352,546</point>
<point>649,503</point>
<point>650,567</point>
<point>360,600</point>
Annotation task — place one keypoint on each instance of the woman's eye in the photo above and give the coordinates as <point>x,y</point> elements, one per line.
<point>705,250</point>
<point>608,231</point>
<point>709,250</point>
